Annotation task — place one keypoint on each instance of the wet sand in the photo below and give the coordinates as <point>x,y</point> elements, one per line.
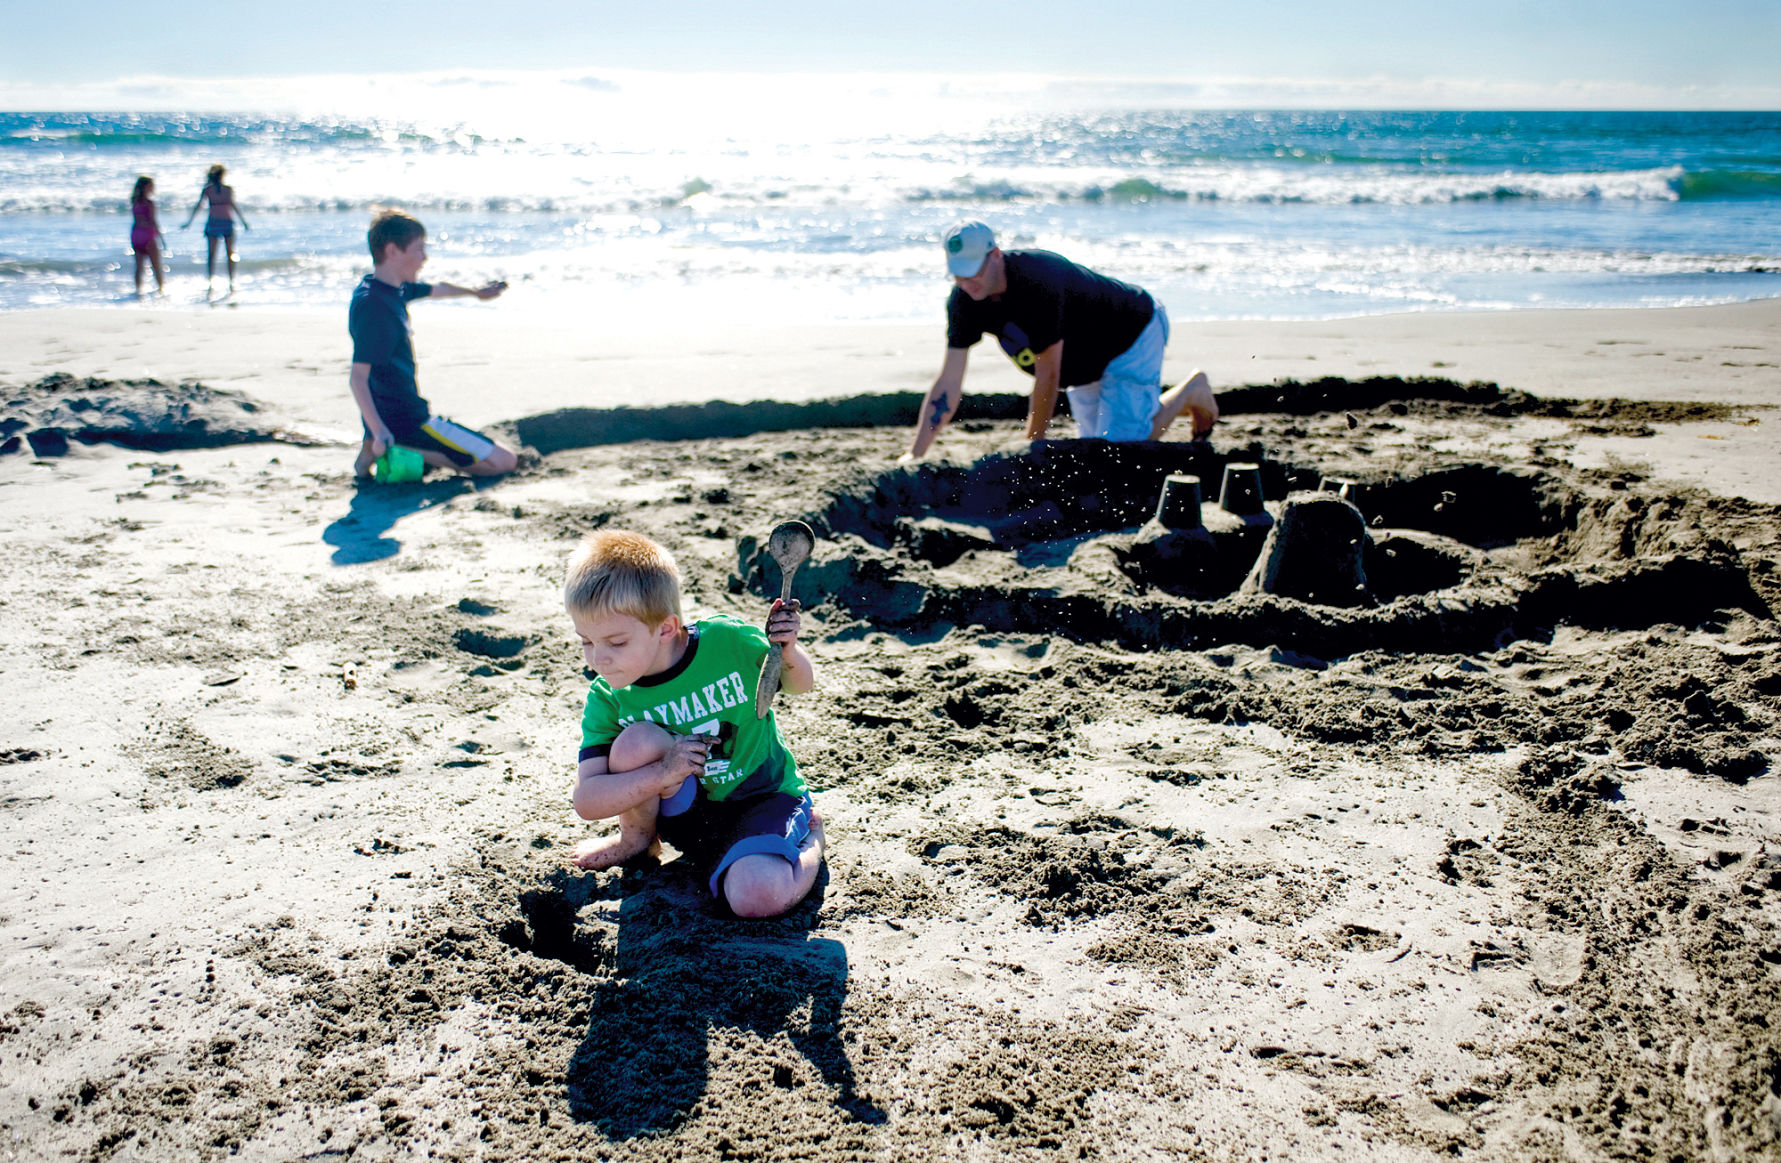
<point>1125,862</point>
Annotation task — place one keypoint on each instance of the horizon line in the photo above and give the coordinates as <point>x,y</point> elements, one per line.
<point>230,92</point>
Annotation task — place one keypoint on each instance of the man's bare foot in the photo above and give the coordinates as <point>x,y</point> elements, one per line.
<point>597,852</point>
<point>1193,396</point>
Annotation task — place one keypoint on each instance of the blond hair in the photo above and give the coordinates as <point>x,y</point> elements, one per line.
<point>617,572</point>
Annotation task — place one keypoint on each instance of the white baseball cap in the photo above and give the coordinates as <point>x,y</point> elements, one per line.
<point>967,245</point>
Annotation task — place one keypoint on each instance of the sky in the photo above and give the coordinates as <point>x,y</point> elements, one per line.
<point>1427,53</point>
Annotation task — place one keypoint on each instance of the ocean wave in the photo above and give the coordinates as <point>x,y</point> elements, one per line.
<point>30,269</point>
<point>98,137</point>
<point>1714,184</point>
<point>1274,186</point>
<point>1236,186</point>
<point>125,132</point>
<point>57,204</point>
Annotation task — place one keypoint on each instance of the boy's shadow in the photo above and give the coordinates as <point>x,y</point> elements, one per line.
<point>358,536</point>
<point>674,972</point>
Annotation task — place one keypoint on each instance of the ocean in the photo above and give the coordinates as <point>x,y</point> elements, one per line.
<point>773,204</point>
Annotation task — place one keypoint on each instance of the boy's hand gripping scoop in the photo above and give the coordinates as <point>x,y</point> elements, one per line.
<point>789,544</point>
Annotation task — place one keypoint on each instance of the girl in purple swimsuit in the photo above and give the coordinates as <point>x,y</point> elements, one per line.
<point>219,228</point>
<point>145,233</point>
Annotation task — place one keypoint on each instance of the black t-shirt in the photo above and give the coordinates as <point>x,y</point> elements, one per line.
<point>383,337</point>
<point>1051,298</point>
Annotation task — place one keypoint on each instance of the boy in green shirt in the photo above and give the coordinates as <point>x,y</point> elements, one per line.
<point>670,743</point>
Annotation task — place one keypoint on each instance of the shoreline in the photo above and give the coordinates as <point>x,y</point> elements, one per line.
<point>1521,348</point>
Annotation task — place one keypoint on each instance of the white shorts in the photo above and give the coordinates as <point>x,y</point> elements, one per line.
<point>1123,403</point>
<point>465,446</point>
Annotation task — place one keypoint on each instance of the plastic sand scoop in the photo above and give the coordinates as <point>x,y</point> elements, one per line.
<point>789,544</point>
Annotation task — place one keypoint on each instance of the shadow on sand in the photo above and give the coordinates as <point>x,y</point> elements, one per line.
<point>361,535</point>
<point>685,997</point>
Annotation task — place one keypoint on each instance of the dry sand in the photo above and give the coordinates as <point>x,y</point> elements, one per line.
<point>1123,865</point>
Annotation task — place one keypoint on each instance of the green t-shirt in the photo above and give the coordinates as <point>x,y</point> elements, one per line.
<point>710,691</point>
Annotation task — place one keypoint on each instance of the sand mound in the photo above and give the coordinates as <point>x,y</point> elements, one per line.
<point>568,428</point>
<point>142,414</point>
<point>590,427</point>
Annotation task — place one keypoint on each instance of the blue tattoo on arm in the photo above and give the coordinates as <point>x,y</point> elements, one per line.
<point>937,412</point>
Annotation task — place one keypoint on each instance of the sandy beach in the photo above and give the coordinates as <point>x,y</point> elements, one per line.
<point>1124,863</point>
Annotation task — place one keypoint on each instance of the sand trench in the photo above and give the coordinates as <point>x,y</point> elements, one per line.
<point>1125,864</point>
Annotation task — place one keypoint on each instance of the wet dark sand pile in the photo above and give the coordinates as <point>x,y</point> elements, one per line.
<point>1125,862</point>
<point>146,414</point>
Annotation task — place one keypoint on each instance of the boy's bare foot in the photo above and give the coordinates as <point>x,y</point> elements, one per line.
<point>597,852</point>
<point>1193,396</point>
<point>813,840</point>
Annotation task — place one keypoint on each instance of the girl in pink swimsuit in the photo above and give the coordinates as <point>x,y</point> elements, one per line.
<point>145,233</point>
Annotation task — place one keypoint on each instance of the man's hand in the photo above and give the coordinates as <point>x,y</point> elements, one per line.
<point>686,757</point>
<point>490,291</point>
<point>381,440</point>
<point>784,622</point>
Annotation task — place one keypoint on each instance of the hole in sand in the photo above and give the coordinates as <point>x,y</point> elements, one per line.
<point>549,931</point>
<point>485,644</point>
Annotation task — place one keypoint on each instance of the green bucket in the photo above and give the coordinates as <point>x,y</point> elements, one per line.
<point>398,465</point>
